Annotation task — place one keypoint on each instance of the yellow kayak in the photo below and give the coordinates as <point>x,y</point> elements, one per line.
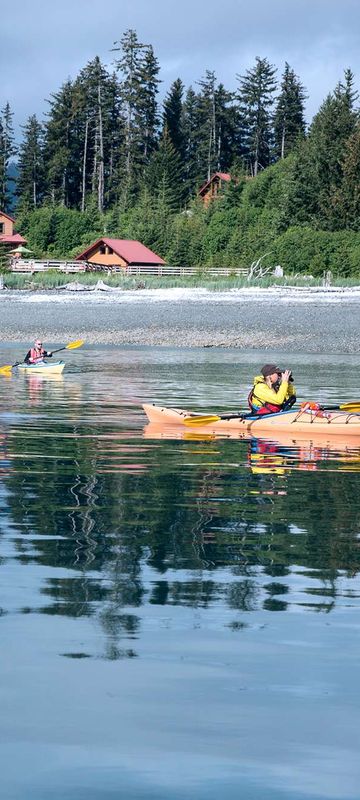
<point>44,368</point>
<point>297,424</point>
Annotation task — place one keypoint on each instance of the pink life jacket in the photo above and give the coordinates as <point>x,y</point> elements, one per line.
<point>36,355</point>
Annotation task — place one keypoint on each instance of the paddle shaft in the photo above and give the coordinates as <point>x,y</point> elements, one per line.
<point>208,419</point>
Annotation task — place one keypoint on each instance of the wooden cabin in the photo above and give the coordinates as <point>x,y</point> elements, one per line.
<point>212,188</point>
<point>7,234</point>
<point>120,253</point>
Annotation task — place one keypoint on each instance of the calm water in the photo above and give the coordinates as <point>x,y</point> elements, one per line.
<point>179,616</point>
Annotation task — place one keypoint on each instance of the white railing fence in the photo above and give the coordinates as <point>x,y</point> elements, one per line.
<point>34,265</point>
<point>31,266</point>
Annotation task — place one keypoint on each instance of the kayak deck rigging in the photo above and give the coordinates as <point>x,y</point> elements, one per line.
<point>336,423</point>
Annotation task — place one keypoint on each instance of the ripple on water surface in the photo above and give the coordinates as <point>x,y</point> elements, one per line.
<point>179,612</point>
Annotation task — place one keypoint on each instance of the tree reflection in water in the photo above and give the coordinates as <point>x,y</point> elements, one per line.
<point>128,523</point>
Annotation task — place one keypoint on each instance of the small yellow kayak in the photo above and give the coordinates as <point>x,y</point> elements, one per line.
<point>44,368</point>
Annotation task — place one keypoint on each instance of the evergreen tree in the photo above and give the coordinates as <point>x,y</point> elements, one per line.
<point>331,128</point>
<point>114,142</point>
<point>148,108</point>
<point>4,257</point>
<point>256,97</point>
<point>99,127</point>
<point>191,170</point>
<point>173,120</point>
<point>30,181</point>
<point>93,85</point>
<point>318,167</point>
<point>346,201</point>
<point>138,68</point>
<point>206,128</point>
<point>347,88</point>
<point>228,129</point>
<point>7,151</point>
<point>63,163</point>
<point>163,176</point>
<point>3,196</point>
<point>289,120</point>
<point>210,128</point>
<point>216,129</point>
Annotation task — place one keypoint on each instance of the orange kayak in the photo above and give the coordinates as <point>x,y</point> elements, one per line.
<point>297,424</point>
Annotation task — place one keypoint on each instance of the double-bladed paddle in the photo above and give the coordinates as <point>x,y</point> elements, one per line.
<point>207,419</point>
<point>6,370</point>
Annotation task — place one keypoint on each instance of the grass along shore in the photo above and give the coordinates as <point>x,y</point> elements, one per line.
<point>52,280</point>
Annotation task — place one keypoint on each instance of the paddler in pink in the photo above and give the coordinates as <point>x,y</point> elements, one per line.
<point>36,354</point>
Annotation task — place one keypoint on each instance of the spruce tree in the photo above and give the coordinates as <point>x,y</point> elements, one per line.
<point>206,129</point>
<point>346,201</point>
<point>228,129</point>
<point>256,98</point>
<point>30,181</point>
<point>191,170</point>
<point>148,114</point>
<point>329,132</point>
<point>138,69</point>
<point>163,176</point>
<point>98,124</point>
<point>289,120</point>
<point>318,166</point>
<point>173,118</point>
<point>7,151</point>
<point>347,90</point>
<point>114,142</point>
<point>210,129</point>
<point>3,199</point>
<point>63,163</point>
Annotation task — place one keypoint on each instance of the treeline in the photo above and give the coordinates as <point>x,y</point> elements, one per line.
<point>109,159</point>
<point>106,136</point>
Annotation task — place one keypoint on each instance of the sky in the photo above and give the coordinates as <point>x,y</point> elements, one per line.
<point>42,43</point>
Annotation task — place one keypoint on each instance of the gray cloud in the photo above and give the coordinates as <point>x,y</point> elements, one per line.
<point>42,44</point>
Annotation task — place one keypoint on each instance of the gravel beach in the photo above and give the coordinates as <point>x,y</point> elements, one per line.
<point>311,321</point>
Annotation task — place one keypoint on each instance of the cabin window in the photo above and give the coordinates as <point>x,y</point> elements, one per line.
<point>2,227</point>
<point>110,251</point>
<point>102,249</point>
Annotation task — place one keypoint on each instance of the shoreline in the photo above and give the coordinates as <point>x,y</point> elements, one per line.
<point>259,319</point>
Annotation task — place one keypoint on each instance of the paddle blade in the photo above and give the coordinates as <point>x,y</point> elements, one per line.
<point>204,420</point>
<point>7,370</point>
<point>351,407</point>
<point>74,345</point>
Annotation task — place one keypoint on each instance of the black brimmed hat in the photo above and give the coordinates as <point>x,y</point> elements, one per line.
<point>269,369</point>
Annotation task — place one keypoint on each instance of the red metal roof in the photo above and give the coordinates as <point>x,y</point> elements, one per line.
<point>224,176</point>
<point>131,251</point>
<point>2,214</point>
<point>14,238</point>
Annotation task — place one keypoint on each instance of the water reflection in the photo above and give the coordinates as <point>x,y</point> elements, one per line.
<point>172,586</point>
<point>115,513</point>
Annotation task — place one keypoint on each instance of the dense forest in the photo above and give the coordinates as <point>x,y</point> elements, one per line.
<point>109,158</point>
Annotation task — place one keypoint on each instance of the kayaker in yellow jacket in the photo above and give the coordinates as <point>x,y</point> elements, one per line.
<point>273,390</point>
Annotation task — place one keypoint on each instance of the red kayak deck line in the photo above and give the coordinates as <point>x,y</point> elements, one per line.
<point>336,423</point>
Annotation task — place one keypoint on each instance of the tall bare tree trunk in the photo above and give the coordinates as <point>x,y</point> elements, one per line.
<point>283,142</point>
<point>95,162</point>
<point>101,156</point>
<point>83,185</point>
